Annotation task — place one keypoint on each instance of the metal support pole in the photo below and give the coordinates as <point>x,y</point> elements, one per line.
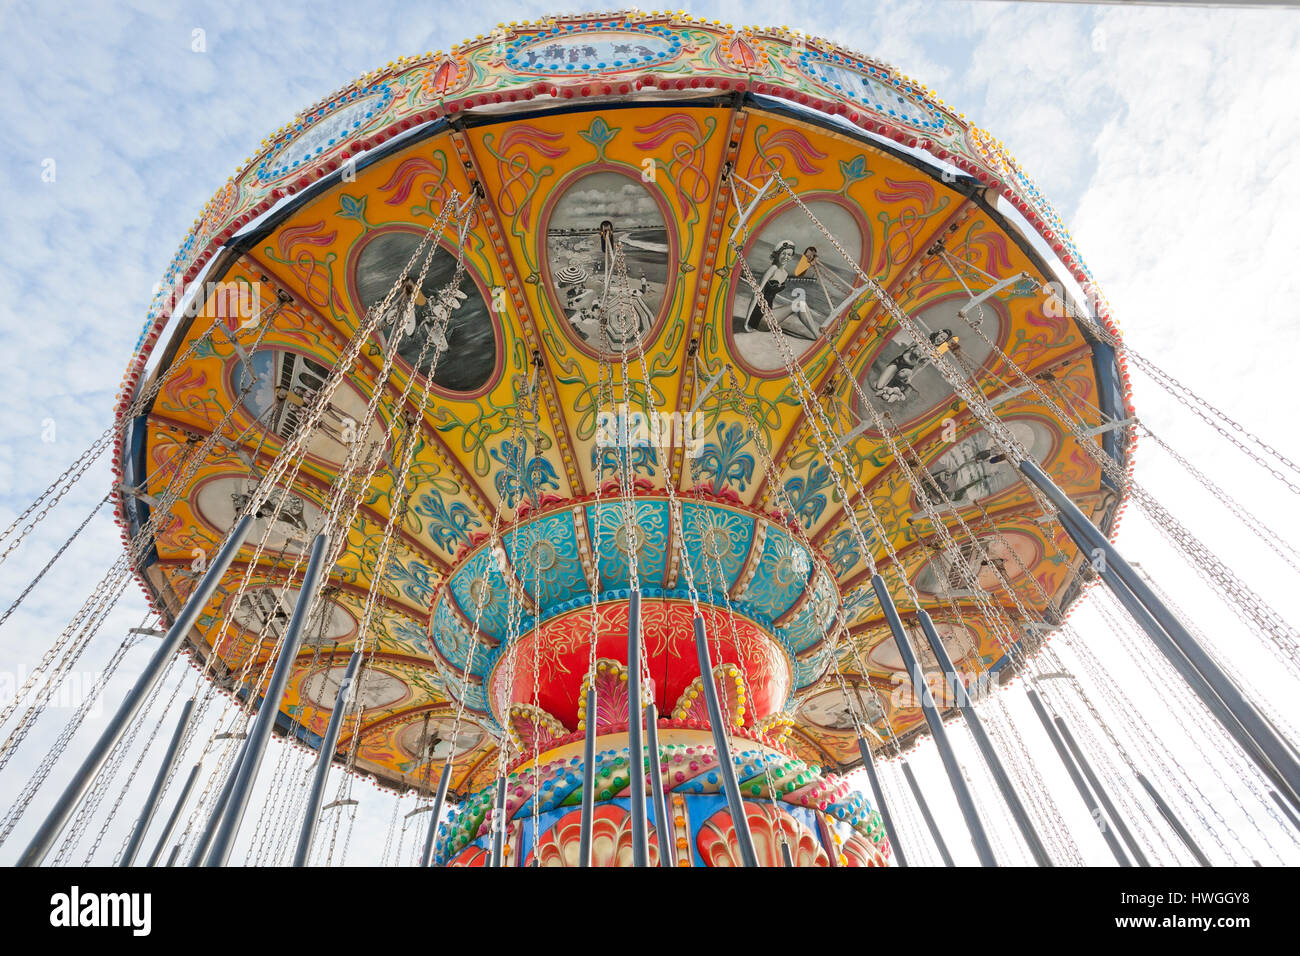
<point>155,793</point>
<point>1079,783</point>
<point>499,824</point>
<point>255,745</point>
<point>588,778</point>
<point>218,810</point>
<point>1174,823</point>
<point>965,800</point>
<point>444,779</point>
<point>636,750</point>
<point>324,759</point>
<point>171,858</point>
<point>718,725</point>
<point>1009,795</point>
<point>658,802</point>
<point>1195,680</point>
<point>170,826</point>
<point>877,794</point>
<point>1290,814</point>
<point>1274,747</point>
<point>926,815</point>
<point>786,858</point>
<point>153,671</point>
<point>1107,804</point>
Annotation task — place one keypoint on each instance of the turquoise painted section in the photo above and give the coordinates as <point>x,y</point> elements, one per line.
<point>451,639</point>
<point>778,582</point>
<point>549,569</point>
<point>483,568</point>
<point>716,537</point>
<point>652,556</point>
<point>809,625</point>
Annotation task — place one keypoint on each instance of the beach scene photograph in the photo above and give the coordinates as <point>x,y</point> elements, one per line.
<point>607,248</point>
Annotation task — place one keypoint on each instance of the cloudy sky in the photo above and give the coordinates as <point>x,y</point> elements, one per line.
<point>1166,137</point>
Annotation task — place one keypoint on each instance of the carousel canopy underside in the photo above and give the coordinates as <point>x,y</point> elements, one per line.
<point>652,161</point>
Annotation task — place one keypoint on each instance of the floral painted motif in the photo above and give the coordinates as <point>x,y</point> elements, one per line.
<point>449,526</point>
<point>522,474</point>
<point>725,460</point>
<point>406,630</point>
<point>416,581</point>
<point>611,697</point>
<point>808,495</point>
<point>599,134</point>
<point>642,459</point>
<point>842,552</point>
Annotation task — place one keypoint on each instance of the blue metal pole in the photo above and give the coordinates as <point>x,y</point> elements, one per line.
<point>58,817</point>
<point>636,751</point>
<point>667,849</point>
<point>219,809</point>
<point>170,826</point>
<point>499,824</point>
<point>588,778</point>
<point>878,795</point>
<point>1175,824</point>
<point>1275,748</point>
<point>1195,680</point>
<point>323,761</point>
<point>1107,804</point>
<point>155,793</point>
<point>965,800</point>
<point>1018,812</point>
<point>443,780</point>
<point>1079,783</point>
<point>736,806</point>
<point>260,735</point>
<point>927,816</point>
<point>1290,814</point>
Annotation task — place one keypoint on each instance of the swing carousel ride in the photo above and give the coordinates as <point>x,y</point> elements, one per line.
<point>615,432</point>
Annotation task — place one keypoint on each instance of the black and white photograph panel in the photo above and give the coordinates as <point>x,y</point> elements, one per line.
<point>435,316</point>
<point>804,284</point>
<point>608,254</point>
<point>902,381</point>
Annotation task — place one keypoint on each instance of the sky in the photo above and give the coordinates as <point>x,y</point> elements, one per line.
<point>1165,137</point>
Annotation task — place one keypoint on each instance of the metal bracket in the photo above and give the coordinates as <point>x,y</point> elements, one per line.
<point>704,393</point>
<point>242,352</point>
<point>849,436</point>
<point>744,212</point>
<point>848,300</point>
<point>139,494</point>
<point>1109,426</point>
<point>963,312</point>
